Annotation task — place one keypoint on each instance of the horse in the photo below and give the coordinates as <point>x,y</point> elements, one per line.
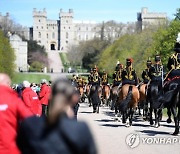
<point>95,95</point>
<point>128,100</point>
<point>81,92</point>
<point>154,92</point>
<point>114,97</point>
<point>105,94</point>
<point>171,100</point>
<point>87,93</point>
<point>143,100</point>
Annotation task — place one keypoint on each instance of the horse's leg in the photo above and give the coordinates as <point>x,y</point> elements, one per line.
<point>176,120</point>
<point>150,114</point>
<point>156,118</point>
<point>123,117</point>
<point>131,116</point>
<point>169,115</point>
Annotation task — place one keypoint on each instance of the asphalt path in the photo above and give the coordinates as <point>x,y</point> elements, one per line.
<point>112,137</point>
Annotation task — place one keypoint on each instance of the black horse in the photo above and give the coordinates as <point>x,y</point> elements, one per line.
<point>154,91</point>
<point>95,95</point>
<point>171,100</point>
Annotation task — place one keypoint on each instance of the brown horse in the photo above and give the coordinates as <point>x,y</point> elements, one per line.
<point>105,94</point>
<point>143,101</point>
<point>81,91</point>
<point>129,98</point>
<point>87,92</point>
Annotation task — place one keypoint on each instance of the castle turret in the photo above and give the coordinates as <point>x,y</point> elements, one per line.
<point>39,26</point>
<point>67,28</point>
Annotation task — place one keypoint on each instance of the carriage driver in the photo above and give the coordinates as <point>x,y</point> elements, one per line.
<point>129,74</point>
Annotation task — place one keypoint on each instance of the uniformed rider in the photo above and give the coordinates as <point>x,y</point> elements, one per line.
<point>129,74</point>
<point>145,72</point>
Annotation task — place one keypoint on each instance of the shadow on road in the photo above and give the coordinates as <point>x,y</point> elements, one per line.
<point>154,133</point>
<point>140,125</point>
<point>85,112</point>
<point>112,125</point>
<point>105,120</point>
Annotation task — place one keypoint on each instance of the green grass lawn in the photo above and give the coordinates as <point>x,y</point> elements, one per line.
<point>20,77</point>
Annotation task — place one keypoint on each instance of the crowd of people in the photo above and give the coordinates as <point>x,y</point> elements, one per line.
<point>41,119</point>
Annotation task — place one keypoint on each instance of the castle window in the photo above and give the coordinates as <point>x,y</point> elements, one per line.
<point>86,37</point>
<point>66,42</point>
<point>47,35</point>
<point>37,27</point>
<point>39,35</point>
<point>53,35</point>
<point>53,27</point>
<point>39,20</point>
<point>42,27</point>
<point>69,27</point>
<point>79,28</point>
<point>66,21</point>
<point>67,35</point>
<point>47,27</point>
<point>86,28</point>
<point>64,27</point>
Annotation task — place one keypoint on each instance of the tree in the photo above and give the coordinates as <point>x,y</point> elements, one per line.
<point>177,15</point>
<point>36,52</point>
<point>7,56</point>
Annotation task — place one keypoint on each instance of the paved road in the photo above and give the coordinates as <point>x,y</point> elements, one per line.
<point>110,135</point>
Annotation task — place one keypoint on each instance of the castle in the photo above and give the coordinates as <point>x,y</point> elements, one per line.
<point>59,34</point>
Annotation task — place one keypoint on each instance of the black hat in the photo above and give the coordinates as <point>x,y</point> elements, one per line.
<point>177,47</point>
<point>157,58</point>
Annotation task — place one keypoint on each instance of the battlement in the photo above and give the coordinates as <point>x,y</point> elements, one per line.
<point>42,13</point>
<point>68,14</point>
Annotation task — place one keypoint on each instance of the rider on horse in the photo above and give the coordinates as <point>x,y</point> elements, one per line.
<point>95,77</point>
<point>145,72</point>
<point>174,62</point>
<point>90,77</point>
<point>156,72</point>
<point>129,74</point>
<point>104,78</point>
<point>117,76</point>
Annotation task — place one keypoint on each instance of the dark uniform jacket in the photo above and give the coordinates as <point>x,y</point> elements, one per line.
<point>129,76</point>
<point>145,76</point>
<point>155,72</point>
<point>104,78</point>
<point>174,61</point>
<point>95,79</point>
<point>67,136</point>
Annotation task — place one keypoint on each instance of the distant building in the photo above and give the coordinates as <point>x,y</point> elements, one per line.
<point>20,48</point>
<point>146,19</point>
<point>60,34</point>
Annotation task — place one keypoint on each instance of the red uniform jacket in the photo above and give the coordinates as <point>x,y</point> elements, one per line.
<point>44,94</point>
<point>12,111</point>
<point>31,100</point>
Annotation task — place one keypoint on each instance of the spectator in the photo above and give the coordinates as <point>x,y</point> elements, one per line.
<point>44,96</point>
<point>58,132</point>
<point>31,99</point>
<point>12,111</point>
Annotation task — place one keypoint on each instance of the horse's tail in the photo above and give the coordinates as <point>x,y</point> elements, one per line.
<point>167,98</point>
<point>124,104</point>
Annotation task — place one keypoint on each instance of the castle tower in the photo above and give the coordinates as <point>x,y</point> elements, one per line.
<point>66,29</point>
<point>39,26</point>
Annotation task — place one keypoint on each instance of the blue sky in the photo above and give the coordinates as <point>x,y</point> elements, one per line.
<point>95,10</point>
